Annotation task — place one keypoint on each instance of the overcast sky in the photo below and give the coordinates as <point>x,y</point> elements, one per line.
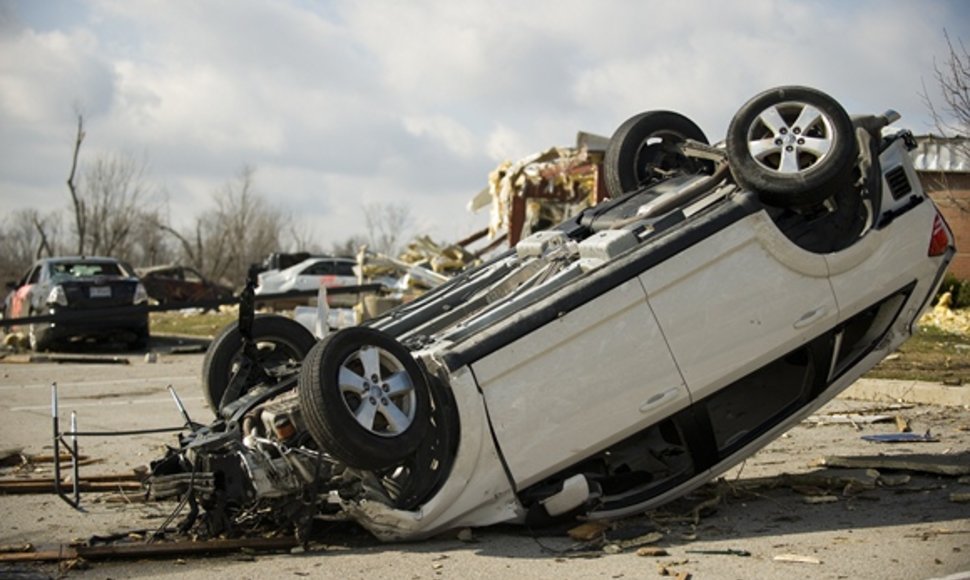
<point>341,103</point>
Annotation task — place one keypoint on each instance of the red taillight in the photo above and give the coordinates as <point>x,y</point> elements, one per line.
<point>940,239</point>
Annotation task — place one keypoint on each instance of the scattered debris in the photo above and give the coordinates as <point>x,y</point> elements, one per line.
<point>93,483</point>
<point>466,535</point>
<point>952,465</point>
<point>960,497</point>
<point>588,531</point>
<point>133,550</point>
<point>894,480</point>
<point>651,552</point>
<point>11,456</point>
<point>796,559</point>
<point>901,438</point>
<point>639,541</point>
<point>188,348</point>
<point>854,419</point>
<point>942,316</point>
<point>66,359</point>
<point>819,499</point>
<point>902,424</point>
<point>727,552</point>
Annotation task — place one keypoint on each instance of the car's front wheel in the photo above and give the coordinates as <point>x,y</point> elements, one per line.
<point>793,146</point>
<point>364,397</point>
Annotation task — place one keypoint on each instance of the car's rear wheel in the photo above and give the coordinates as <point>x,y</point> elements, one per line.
<point>793,146</point>
<point>279,341</point>
<point>364,397</point>
<point>646,147</point>
<point>37,337</point>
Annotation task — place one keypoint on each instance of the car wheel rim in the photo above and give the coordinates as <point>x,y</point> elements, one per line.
<point>378,391</point>
<point>269,355</point>
<point>790,137</point>
<point>657,152</point>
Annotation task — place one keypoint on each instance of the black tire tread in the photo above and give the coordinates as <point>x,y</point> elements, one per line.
<point>807,188</point>
<point>619,172</point>
<point>327,418</point>
<point>216,366</point>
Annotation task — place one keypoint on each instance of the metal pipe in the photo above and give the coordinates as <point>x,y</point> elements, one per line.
<point>181,408</point>
<point>75,464</point>
<point>56,427</point>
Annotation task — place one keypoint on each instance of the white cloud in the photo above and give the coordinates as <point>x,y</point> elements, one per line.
<point>449,132</point>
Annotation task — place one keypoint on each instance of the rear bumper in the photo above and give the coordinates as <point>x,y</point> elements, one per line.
<point>93,323</point>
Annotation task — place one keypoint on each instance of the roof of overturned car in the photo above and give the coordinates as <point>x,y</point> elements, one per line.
<point>602,367</point>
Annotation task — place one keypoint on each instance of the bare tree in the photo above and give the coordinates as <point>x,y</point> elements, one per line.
<point>80,220</point>
<point>952,76</point>
<point>115,196</point>
<point>26,235</point>
<point>387,224</point>
<point>110,201</point>
<point>239,231</point>
<point>951,109</point>
<point>349,246</point>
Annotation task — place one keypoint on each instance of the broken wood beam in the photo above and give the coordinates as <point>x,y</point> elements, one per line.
<point>952,465</point>
<point>145,550</point>
<point>95,483</point>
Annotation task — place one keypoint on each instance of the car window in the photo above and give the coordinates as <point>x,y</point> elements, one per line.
<point>32,276</point>
<point>192,276</point>
<point>84,269</point>
<point>345,269</point>
<point>318,269</point>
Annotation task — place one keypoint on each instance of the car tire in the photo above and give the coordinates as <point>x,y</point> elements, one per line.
<point>140,342</point>
<point>364,398</point>
<point>278,340</point>
<point>37,338</point>
<point>793,146</point>
<point>643,144</point>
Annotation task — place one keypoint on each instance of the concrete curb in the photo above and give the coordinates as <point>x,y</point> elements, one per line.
<point>896,391</point>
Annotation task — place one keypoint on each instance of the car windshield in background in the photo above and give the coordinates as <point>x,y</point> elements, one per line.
<point>85,269</point>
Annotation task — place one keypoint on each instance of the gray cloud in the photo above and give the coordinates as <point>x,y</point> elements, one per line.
<point>346,103</point>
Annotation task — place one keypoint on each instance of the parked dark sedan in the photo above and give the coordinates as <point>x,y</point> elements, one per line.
<point>67,286</point>
<point>173,283</point>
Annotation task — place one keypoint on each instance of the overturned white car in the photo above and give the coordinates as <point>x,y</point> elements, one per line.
<point>601,368</point>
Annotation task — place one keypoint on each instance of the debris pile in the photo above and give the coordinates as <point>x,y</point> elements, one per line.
<point>542,190</point>
<point>947,319</point>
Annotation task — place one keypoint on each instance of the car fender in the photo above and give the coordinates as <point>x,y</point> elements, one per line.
<point>476,492</point>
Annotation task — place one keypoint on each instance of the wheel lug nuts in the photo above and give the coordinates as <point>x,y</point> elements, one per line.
<point>777,141</point>
<point>789,148</point>
<point>373,401</point>
<point>801,141</point>
<point>783,131</point>
<point>797,131</point>
<point>384,402</point>
<point>374,378</point>
<point>386,387</point>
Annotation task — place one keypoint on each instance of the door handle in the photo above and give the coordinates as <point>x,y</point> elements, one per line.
<point>659,398</point>
<point>811,317</point>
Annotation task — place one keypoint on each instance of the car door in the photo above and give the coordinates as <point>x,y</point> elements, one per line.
<point>738,300</point>
<point>314,276</point>
<point>592,377</point>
